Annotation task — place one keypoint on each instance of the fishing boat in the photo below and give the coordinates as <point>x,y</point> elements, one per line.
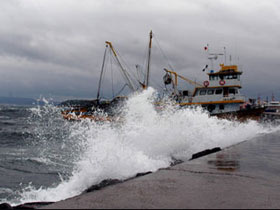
<point>107,110</point>
<point>99,111</point>
<point>220,94</point>
<point>272,112</point>
<point>272,107</point>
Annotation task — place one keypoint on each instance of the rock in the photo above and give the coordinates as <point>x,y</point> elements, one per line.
<point>143,174</point>
<point>175,161</point>
<point>205,152</point>
<point>5,206</point>
<point>102,184</point>
<point>32,205</point>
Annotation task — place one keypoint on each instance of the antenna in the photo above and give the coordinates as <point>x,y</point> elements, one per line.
<point>225,52</point>
<point>213,57</point>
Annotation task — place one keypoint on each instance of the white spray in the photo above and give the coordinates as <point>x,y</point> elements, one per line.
<point>145,140</point>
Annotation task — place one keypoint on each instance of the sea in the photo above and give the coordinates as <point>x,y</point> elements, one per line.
<point>44,157</point>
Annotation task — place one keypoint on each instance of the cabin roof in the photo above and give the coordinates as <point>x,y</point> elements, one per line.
<point>232,69</point>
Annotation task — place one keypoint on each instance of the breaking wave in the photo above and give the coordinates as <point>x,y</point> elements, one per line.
<point>146,139</point>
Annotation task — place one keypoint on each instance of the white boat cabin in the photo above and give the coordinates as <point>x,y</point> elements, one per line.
<point>219,94</point>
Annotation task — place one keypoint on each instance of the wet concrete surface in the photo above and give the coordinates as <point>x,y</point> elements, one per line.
<point>243,176</point>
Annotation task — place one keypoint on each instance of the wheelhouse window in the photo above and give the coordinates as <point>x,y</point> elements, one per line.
<point>225,76</point>
<point>210,92</point>
<point>230,76</point>
<point>202,92</point>
<point>213,77</point>
<point>232,91</point>
<point>218,91</point>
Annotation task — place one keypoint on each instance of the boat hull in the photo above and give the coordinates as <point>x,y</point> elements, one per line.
<point>243,114</point>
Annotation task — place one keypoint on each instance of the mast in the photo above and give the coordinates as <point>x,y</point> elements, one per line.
<point>149,60</point>
<point>101,75</point>
<point>125,73</point>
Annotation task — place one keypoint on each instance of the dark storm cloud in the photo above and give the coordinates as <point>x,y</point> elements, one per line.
<point>56,47</point>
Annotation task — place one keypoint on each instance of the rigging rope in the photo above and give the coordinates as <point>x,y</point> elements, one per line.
<point>168,63</point>
<point>102,77</point>
<point>109,63</point>
<point>112,78</point>
<point>101,74</point>
<point>126,68</point>
<point>121,89</point>
<point>145,63</point>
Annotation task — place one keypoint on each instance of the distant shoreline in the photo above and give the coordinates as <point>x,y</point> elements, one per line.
<point>21,101</point>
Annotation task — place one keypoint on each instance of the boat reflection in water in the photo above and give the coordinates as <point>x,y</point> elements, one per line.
<point>225,161</point>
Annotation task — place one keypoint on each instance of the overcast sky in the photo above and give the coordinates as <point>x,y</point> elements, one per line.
<point>55,47</point>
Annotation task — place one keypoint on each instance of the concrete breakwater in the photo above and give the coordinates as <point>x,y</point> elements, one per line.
<point>242,176</point>
<point>236,177</point>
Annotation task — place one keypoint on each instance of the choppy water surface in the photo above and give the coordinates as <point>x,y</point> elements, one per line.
<point>45,158</point>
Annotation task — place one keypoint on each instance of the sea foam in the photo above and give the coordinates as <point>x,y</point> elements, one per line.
<point>145,139</point>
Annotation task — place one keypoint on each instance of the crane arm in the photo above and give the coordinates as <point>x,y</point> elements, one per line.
<point>184,78</point>
<point>149,61</point>
<point>190,81</point>
<point>112,48</point>
<point>124,72</point>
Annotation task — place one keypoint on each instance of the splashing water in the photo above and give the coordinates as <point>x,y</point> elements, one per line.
<point>144,140</point>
